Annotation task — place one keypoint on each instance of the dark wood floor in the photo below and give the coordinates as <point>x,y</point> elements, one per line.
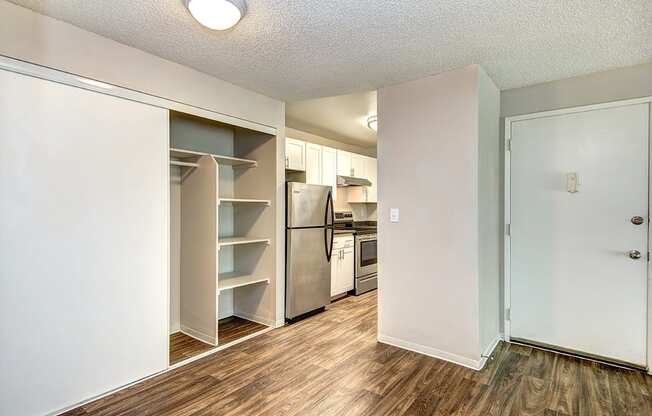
<point>331,364</point>
<point>234,328</point>
<point>229,329</point>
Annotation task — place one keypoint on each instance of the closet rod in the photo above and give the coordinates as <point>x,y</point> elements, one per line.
<point>178,163</point>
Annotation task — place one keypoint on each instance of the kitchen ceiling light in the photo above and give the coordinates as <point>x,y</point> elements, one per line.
<point>217,14</point>
<point>372,122</point>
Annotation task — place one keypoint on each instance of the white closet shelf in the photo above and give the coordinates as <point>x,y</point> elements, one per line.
<point>220,159</point>
<point>266,202</point>
<point>236,279</point>
<point>234,241</point>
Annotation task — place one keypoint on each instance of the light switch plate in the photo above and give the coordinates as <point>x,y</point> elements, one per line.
<point>572,182</point>
<point>393,215</point>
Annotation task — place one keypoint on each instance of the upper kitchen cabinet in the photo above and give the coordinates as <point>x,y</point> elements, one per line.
<point>313,164</point>
<point>329,168</point>
<point>350,164</point>
<point>295,154</point>
<point>358,165</point>
<point>366,194</point>
<point>344,163</point>
<point>371,173</point>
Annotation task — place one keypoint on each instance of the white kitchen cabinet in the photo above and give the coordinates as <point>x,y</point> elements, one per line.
<point>358,166</point>
<point>329,168</point>
<point>295,154</point>
<point>342,265</point>
<point>366,194</point>
<point>371,173</point>
<point>343,163</point>
<point>314,164</point>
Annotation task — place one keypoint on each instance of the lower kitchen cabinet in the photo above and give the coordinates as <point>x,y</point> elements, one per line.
<point>342,265</point>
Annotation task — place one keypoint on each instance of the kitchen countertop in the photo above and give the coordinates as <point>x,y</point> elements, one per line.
<point>344,232</point>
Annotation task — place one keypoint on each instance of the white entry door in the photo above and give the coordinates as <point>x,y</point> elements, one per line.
<point>578,182</point>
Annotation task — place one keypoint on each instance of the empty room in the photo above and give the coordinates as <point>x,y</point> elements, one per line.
<point>257,207</point>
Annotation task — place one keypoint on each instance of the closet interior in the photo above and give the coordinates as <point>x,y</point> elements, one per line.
<point>222,194</point>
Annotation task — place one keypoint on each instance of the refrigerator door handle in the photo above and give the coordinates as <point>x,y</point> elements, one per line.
<point>329,227</point>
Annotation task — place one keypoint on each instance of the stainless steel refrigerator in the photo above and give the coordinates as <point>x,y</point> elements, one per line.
<point>309,245</point>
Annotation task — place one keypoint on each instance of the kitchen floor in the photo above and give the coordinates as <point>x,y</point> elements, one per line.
<point>331,364</point>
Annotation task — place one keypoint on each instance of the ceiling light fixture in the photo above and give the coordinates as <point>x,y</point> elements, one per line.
<point>372,122</point>
<point>217,14</point>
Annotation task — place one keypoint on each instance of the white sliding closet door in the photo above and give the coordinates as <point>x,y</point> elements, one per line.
<point>83,243</point>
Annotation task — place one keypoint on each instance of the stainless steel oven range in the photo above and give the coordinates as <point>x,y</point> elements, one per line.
<point>366,258</point>
<point>366,262</point>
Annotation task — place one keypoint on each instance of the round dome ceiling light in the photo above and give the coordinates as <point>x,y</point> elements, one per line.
<point>217,14</point>
<point>372,122</point>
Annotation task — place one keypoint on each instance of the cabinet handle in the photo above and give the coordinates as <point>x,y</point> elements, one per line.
<point>352,171</point>
<point>287,161</point>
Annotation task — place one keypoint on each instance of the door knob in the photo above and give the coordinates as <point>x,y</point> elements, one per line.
<point>637,220</point>
<point>634,254</point>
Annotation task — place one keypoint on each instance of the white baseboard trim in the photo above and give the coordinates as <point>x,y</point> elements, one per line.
<point>431,352</point>
<point>490,349</point>
<point>212,340</point>
<point>256,318</point>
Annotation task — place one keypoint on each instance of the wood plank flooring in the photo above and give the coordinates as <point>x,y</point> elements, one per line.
<point>233,328</point>
<point>183,347</point>
<point>230,329</point>
<point>331,364</point>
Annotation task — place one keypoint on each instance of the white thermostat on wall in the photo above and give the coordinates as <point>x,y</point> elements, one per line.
<point>393,215</point>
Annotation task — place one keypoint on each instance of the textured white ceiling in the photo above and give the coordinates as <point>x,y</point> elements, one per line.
<point>342,118</point>
<point>295,49</point>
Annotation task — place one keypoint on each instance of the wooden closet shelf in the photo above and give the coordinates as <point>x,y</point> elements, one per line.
<point>236,279</point>
<point>234,241</point>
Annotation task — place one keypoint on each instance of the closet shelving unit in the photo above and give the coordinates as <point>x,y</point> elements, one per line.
<point>227,188</point>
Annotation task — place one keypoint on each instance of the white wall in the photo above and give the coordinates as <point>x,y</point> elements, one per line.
<point>42,40</point>
<point>489,203</point>
<point>600,87</point>
<point>428,146</point>
<point>427,275</point>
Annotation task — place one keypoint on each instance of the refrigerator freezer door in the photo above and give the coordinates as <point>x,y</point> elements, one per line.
<point>307,205</point>
<point>308,272</point>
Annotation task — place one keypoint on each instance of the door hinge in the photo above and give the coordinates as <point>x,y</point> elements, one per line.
<point>508,145</point>
<point>508,314</point>
<point>508,230</point>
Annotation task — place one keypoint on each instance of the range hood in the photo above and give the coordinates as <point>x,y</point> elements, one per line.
<point>351,181</point>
